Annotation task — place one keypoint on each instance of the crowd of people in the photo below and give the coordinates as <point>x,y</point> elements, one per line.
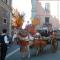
<point>4,41</point>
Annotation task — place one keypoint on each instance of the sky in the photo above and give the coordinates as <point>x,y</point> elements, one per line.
<point>23,6</point>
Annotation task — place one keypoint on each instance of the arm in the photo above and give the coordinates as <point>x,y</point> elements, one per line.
<point>6,39</point>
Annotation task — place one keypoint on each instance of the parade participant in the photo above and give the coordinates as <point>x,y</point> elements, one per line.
<point>37,35</point>
<point>4,42</point>
<point>14,37</point>
<point>24,43</point>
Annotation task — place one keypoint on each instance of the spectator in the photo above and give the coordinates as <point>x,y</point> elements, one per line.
<point>4,42</point>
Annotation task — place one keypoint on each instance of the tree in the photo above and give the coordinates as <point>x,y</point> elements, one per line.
<point>17,19</point>
<point>35,21</point>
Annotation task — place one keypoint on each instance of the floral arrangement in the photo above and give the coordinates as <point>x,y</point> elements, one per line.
<point>22,35</point>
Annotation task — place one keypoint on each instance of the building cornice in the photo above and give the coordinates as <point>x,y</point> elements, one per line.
<point>5,6</point>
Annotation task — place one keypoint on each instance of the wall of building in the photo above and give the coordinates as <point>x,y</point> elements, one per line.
<point>33,2</point>
<point>41,14</point>
<point>5,14</point>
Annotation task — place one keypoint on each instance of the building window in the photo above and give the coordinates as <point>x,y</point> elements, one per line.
<point>5,21</point>
<point>47,7</point>
<point>6,1</point>
<point>46,20</point>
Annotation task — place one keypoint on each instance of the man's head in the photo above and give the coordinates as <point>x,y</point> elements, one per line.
<point>4,31</point>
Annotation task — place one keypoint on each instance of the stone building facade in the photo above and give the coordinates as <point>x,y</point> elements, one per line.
<point>43,14</point>
<point>5,14</point>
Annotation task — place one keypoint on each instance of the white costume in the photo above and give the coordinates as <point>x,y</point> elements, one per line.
<point>14,36</point>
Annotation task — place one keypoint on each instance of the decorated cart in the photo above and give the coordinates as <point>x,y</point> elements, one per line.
<point>23,42</point>
<point>38,42</point>
<point>42,42</point>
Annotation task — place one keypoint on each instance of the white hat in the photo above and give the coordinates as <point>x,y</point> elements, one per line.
<point>37,33</point>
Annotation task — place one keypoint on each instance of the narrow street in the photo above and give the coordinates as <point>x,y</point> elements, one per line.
<point>23,21</point>
<point>14,54</point>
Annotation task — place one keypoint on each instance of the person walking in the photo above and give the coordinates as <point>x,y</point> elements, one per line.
<point>4,43</point>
